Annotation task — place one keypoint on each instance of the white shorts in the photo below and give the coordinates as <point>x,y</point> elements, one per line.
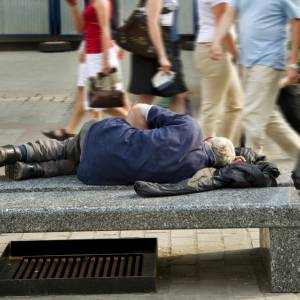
<point>93,66</point>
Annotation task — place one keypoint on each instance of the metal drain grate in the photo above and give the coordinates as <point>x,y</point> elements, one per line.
<point>79,267</point>
<point>29,268</point>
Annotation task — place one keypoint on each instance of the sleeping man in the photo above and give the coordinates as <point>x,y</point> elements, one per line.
<point>153,144</point>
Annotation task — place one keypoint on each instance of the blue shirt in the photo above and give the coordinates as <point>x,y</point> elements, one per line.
<point>170,151</point>
<point>263,30</point>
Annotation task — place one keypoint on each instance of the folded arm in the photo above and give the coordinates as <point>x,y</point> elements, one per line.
<point>154,8</point>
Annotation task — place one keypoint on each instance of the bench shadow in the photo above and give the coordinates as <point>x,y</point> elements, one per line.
<point>241,268</point>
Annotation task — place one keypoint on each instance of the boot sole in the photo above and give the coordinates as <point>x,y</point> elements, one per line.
<point>14,171</point>
<point>2,158</point>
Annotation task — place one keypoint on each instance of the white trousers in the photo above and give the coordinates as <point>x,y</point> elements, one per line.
<point>222,94</point>
<point>261,116</point>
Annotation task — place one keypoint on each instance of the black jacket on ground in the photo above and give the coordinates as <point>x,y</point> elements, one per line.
<point>255,172</point>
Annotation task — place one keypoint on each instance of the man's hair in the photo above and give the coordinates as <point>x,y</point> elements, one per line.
<point>223,150</point>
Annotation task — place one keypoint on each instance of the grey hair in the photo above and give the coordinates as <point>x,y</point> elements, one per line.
<point>223,150</point>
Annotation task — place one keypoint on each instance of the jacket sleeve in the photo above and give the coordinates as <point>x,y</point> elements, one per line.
<point>202,181</point>
<point>160,117</point>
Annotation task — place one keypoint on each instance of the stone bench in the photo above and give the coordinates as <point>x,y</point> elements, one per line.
<point>64,204</point>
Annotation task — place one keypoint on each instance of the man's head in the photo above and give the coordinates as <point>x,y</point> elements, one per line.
<point>223,150</point>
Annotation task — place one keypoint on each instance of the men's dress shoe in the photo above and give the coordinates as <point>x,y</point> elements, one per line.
<point>296,175</point>
<point>20,171</point>
<point>9,154</point>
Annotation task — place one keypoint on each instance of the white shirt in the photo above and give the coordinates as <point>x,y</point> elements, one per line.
<point>206,20</point>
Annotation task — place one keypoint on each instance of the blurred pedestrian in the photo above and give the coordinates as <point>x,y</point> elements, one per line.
<point>98,48</point>
<point>162,16</point>
<point>263,37</point>
<point>221,89</point>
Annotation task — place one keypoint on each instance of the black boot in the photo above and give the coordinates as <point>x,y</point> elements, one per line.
<point>296,175</point>
<point>20,171</point>
<point>9,154</point>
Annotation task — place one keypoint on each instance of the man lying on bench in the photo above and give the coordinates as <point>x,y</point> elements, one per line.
<point>153,144</point>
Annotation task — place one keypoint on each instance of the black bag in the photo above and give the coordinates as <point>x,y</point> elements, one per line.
<point>134,36</point>
<point>289,103</point>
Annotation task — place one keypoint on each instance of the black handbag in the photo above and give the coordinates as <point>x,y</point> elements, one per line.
<point>134,36</point>
<point>289,103</point>
<point>102,92</point>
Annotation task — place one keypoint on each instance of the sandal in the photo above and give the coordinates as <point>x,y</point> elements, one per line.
<point>59,135</point>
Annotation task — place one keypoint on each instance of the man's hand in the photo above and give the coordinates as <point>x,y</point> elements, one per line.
<point>105,68</point>
<point>235,56</point>
<point>216,51</point>
<point>121,54</point>
<point>292,75</point>
<point>72,2</point>
<point>239,159</point>
<point>165,65</point>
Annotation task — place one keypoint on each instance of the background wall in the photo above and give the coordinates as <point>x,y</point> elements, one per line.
<point>41,17</point>
<point>24,17</point>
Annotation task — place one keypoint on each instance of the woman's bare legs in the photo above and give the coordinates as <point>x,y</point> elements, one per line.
<point>78,112</point>
<point>178,103</point>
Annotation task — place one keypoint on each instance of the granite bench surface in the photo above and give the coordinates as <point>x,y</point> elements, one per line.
<point>64,204</point>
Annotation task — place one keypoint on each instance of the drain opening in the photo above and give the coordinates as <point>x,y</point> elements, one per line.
<point>79,267</point>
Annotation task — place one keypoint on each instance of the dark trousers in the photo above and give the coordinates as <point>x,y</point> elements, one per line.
<point>58,158</point>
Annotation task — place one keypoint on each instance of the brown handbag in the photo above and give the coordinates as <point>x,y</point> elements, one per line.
<point>134,36</point>
<point>102,92</point>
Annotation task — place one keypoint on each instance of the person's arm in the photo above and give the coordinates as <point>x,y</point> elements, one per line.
<point>292,72</point>
<point>138,115</point>
<point>81,52</point>
<point>154,8</point>
<point>76,15</point>
<point>102,9</point>
<point>222,30</point>
<point>229,43</point>
<point>117,8</point>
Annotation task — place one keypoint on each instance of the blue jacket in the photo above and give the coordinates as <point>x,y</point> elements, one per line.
<point>169,151</point>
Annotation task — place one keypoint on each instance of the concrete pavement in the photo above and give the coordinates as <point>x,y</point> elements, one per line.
<point>36,93</point>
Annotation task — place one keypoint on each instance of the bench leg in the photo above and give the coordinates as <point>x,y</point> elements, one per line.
<point>282,257</point>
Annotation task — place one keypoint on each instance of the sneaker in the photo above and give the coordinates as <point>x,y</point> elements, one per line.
<point>296,175</point>
<point>9,154</point>
<point>20,171</point>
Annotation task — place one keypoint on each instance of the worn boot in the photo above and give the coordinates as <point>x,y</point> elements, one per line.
<point>9,154</point>
<point>20,171</point>
<point>296,175</point>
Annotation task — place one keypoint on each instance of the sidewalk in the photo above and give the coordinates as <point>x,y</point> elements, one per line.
<point>37,94</point>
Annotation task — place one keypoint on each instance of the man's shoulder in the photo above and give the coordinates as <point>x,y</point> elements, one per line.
<point>111,122</point>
